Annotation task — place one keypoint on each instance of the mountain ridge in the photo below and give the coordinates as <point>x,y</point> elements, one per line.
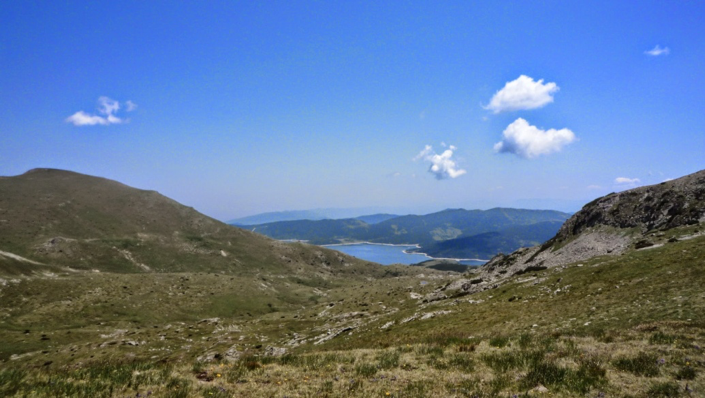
<point>63,218</point>
<point>612,224</point>
<point>428,230</point>
<point>313,214</point>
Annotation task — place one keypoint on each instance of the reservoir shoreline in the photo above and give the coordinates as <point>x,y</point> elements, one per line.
<point>414,245</point>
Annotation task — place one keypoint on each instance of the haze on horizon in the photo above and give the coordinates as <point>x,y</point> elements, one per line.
<point>240,108</point>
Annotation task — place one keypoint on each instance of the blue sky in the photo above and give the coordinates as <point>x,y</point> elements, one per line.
<point>237,108</point>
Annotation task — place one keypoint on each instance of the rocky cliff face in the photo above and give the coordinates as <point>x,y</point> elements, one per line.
<point>612,224</point>
<point>657,207</point>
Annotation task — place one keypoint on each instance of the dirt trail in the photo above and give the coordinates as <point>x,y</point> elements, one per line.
<point>18,258</point>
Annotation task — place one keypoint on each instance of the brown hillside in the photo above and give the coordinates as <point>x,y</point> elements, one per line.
<point>83,222</point>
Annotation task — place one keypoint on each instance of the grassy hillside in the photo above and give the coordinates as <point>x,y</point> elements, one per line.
<point>62,218</point>
<point>626,326</point>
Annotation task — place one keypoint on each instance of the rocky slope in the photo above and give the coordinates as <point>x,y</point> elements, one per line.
<point>611,225</point>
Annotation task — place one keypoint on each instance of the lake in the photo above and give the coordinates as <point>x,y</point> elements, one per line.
<point>388,254</point>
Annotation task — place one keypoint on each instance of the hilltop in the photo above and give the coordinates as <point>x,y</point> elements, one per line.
<point>63,218</point>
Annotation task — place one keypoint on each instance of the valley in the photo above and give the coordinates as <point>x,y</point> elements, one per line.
<point>575,316</point>
<point>452,233</point>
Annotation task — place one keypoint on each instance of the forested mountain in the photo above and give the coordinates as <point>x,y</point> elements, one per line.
<point>509,229</point>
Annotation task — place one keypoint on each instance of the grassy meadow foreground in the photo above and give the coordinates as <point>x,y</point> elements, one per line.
<point>110,291</point>
<point>624,326</point>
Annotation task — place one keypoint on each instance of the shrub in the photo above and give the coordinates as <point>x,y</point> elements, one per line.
<point>178,388</point>
<point>641,365</point>
<point>504,361</point>
<point>499,341</point>
<point>525,341</point>
<point>11,381</point>
<point>366,370</point>
<point>546,373</point>
<point>667,389</point>
<point>662,338</point>
<point>589,374</point>
<point>462,362</point>
<point>685,373</point>
<point>216,392</point>
<point>416,389</point>
<point>433,351</point>
<point>388,360</point>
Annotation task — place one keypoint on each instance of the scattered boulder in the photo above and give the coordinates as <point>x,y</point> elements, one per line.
<point>643,243</point>
<point>274,351</point>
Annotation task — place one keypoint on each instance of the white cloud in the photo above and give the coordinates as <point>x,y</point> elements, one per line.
<point>442,166</point>
<point>522,93</point>
<point>81,118</point>
<point>424,152</point>
<point>527,141</point>
<point>656,51</point>
<point>626,181</point>
<point>107,107</point>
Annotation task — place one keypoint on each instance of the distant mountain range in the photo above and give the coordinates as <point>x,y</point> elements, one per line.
<point>453,233</point>
<point>370,215</point>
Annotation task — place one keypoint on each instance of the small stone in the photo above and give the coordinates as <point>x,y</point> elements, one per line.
<point>541,389</point>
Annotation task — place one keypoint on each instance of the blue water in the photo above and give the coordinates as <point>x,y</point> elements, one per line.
<point>387,255</point>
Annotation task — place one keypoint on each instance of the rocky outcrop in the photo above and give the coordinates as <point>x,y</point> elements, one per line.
<point>657,207</point>
<point>611,225</point>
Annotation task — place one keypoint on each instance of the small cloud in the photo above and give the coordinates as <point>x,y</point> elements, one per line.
<point>424,152</point>
<point>442,166</point>
<point>106,107</point>
<point>656,51</point>
<point>594,187</point>
<point>81,118</point>
<point>625,182</point>
<point>130,106</point>
<point>527,141</point>
<point>667,179</point>
<point>522,93</point>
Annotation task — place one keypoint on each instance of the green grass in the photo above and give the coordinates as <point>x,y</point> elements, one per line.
<point>366,369</point>
<point>499,341</point>
<point>606,332</point>
<point>664,389</point>
<point>643,364</point>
